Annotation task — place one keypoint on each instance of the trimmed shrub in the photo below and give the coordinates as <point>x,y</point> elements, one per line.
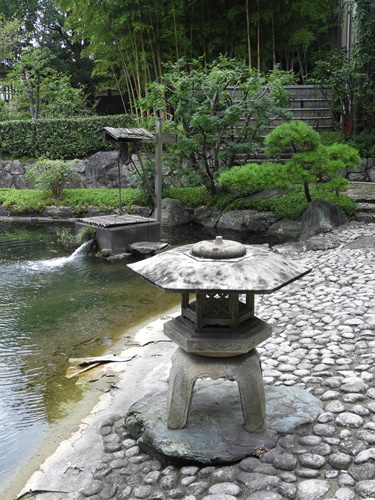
<point>63,139</point>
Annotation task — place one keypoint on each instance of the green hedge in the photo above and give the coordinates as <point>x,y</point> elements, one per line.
<point>62,139</point>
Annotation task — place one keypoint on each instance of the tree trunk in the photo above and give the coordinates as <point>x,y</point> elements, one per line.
<point>258,40</point>
<point>175,29</point>
<point>248,32</point>
<point>273,38</point>
<point>301,67</point>
<point>307,192</point>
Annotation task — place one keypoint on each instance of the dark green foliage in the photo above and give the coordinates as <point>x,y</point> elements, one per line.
<point>293,137</point>
<point>349,89</point>
<point>291,206</point>
<point>129,42</point>
<point>58,139</point>
<point>365,143</point>
<point>251,178</point>
<point>329,138</point>
<point>190,197</point>
<point>347,76</point>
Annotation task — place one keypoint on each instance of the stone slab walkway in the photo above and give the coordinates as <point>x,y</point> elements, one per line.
<point>323,341</point>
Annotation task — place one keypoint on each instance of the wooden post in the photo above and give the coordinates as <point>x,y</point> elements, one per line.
<point>158,167</point>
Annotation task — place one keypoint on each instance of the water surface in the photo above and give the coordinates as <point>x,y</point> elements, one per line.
<point>54,307</point>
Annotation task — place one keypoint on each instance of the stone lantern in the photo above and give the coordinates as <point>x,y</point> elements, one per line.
<point>217,331</point>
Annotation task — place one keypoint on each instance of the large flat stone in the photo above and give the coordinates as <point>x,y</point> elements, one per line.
<point>215,430</point>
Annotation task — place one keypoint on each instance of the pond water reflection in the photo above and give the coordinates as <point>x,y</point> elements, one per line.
<point>53,308</point>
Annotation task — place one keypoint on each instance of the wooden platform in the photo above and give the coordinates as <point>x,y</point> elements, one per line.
<point>115,220</point>
<point>117,232</point>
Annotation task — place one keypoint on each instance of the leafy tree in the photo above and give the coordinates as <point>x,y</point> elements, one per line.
<point>59,99</point>
<point>10,38</point>
<point>293,137</point>
<point>348,88</point>
<point>67,48</point>
<point>36,87</point>
<point>28,72</point>
<point>27,11</point>
<point>219,111</point>
<point>347,76</point>
<point>32,39</point>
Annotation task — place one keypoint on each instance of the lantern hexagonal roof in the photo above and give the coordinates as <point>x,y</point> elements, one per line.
<point>221,265</point>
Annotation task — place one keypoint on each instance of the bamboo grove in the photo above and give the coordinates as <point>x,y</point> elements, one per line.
<point>131,40</point>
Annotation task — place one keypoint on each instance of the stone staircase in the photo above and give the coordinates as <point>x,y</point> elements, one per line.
<point>309,105</point>
<point>364,194</point>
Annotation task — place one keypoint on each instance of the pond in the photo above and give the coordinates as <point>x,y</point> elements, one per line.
<point>54,306</point>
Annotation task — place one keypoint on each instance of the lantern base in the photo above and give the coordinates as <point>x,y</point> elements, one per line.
<point>215,432</point>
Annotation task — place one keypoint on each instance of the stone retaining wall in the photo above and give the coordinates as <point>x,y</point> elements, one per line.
<point>98,171</point>
<point>101,171</point>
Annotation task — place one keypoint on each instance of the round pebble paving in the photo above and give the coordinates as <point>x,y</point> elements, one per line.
<point>324,342</point>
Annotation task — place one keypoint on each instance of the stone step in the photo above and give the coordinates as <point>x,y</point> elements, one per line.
<point>362,192</point>
<point>366,207</point>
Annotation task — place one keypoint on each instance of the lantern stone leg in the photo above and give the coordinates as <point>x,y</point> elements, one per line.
<point>245,369</point>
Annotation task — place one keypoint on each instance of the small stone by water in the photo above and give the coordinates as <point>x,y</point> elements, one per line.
<point>323,342</point>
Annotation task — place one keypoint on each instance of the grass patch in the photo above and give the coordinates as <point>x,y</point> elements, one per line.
<point>24,200</point>
<point>190,197</point>
<point>104,199</point>
<point>34,201</point>
<point>291,205</point>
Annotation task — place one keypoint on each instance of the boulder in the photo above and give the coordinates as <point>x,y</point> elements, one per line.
<point>173,213</point>
<point>246,220</point>
<point>206,216</point>
<point>77,180</point>
<point>362,242</point>
<point>6,179</point>
<point>359,173</point>
<point>323,242</point>
<point>102,171</point>
<point>285,229</point>
<point>321,217</point>
<point>371,169</point>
